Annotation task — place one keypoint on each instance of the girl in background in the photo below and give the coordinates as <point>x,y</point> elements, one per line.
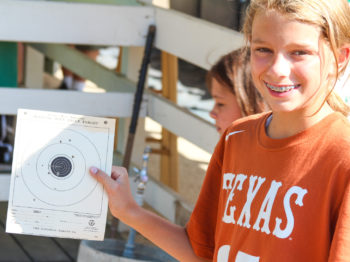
<point>231,86</point>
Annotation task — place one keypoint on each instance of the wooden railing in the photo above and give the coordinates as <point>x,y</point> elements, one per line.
<point>47,26</point>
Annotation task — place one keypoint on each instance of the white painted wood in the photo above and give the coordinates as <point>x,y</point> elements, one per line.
<point>194,40</point>
<point>110,104</point>
<point>34,68</point>
<point>4,186</point>
<point>63,22</point>
<point>113,104</point>
<point>158,197</point>
<point>182,123</point>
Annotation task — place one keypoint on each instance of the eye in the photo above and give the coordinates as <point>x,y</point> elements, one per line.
<point>219,104</point>
<point>263,50</point>
<point>299,52</point>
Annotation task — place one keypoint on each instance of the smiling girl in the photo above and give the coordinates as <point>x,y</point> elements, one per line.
<point>278,184</point>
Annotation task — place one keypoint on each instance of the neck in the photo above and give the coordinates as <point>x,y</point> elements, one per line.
<point>286,124</point>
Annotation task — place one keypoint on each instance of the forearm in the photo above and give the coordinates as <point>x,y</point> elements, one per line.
<point>169,237</point>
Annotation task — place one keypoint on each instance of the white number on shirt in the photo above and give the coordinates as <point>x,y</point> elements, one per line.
<point>224,252</point>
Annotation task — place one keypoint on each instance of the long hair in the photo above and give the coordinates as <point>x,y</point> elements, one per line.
<point>331,16</point>
<point>232,71</point>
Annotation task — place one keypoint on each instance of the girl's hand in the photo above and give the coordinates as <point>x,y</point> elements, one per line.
<point>121,201</point>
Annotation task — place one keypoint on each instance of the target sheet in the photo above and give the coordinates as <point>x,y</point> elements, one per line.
<point>51,192</point>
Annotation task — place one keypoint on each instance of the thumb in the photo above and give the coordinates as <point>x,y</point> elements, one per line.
<point>101,177</point>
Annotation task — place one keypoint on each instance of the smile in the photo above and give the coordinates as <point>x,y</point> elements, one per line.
<point>281,88</point>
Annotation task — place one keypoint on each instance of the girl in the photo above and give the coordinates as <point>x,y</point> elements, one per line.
<point>277,187</point>
<point>230,84</point>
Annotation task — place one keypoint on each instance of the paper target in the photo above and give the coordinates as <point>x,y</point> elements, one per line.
<point>51,191</point>
<point>59,167</point>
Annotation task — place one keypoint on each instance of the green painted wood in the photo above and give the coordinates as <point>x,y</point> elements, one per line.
<point>83,66</point>
<point>8,64</point>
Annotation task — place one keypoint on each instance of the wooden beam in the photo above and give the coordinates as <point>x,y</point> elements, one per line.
<point>85,67</point>
<point>75,23</point>
<point>192,39</point>
<point>110,104</point>
<point>34,68</point>
<point>79,23</point>
<point>182,122</point>
<point>169,162</point>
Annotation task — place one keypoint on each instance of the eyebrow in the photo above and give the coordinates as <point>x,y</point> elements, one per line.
<point>258,41</point>
<point>217,96</point>
<point>300,45</point>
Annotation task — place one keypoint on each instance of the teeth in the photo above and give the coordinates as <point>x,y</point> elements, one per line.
<point>282,88</point>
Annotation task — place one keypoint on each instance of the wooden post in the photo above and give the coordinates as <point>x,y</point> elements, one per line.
<point>169,162</point>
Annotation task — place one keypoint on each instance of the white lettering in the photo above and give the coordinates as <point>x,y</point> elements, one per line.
<point>278,232</point>
<point>265,210</point>
<point>228,181</point>
<point>223,253</point>
<point>229,218</point>
<point>244,257</point>
<point>250,196</point>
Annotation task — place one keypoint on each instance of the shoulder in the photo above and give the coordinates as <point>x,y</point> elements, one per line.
<point>249,120</point>
<point>247,124</point>
<point>335,140</point>
<point>339,131</point>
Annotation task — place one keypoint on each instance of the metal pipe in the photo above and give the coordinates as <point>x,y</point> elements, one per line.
<point>138,95</point>
<point>142,177</point>
<point>136,108</point>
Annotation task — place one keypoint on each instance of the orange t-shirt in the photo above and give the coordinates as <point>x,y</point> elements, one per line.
<point>277,200</point>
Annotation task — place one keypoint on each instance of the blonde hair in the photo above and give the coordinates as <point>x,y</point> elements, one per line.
<point>331,16</point>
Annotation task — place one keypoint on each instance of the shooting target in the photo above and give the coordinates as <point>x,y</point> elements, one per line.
<point>59,167</point>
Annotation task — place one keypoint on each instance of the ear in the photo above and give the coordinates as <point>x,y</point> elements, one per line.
<point>344,56</point>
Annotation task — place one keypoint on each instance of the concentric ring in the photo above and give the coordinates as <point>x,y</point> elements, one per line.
<point>59,166</point>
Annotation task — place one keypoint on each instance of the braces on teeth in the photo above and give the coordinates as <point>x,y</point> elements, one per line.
<point>281,89</point>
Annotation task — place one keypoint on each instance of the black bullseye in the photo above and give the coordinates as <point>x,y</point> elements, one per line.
<point>61,166</point>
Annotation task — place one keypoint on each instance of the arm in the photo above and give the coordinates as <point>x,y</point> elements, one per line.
<point>340,247</point>
<point>170,237</point>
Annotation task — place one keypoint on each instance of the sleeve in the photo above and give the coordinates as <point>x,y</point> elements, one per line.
<point>201,226</point>
<point>340,247</point>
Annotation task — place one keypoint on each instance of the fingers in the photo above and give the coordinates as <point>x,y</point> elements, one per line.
<point>117,187</point>
<point>104,179</point>
<point>100,176</point>
<point>118,171</point>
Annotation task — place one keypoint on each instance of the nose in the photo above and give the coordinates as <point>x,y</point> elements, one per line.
<point>213,113</point>
<point>280,66</point>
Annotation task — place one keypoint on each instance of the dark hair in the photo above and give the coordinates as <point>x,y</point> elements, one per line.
<point>233,72</point>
